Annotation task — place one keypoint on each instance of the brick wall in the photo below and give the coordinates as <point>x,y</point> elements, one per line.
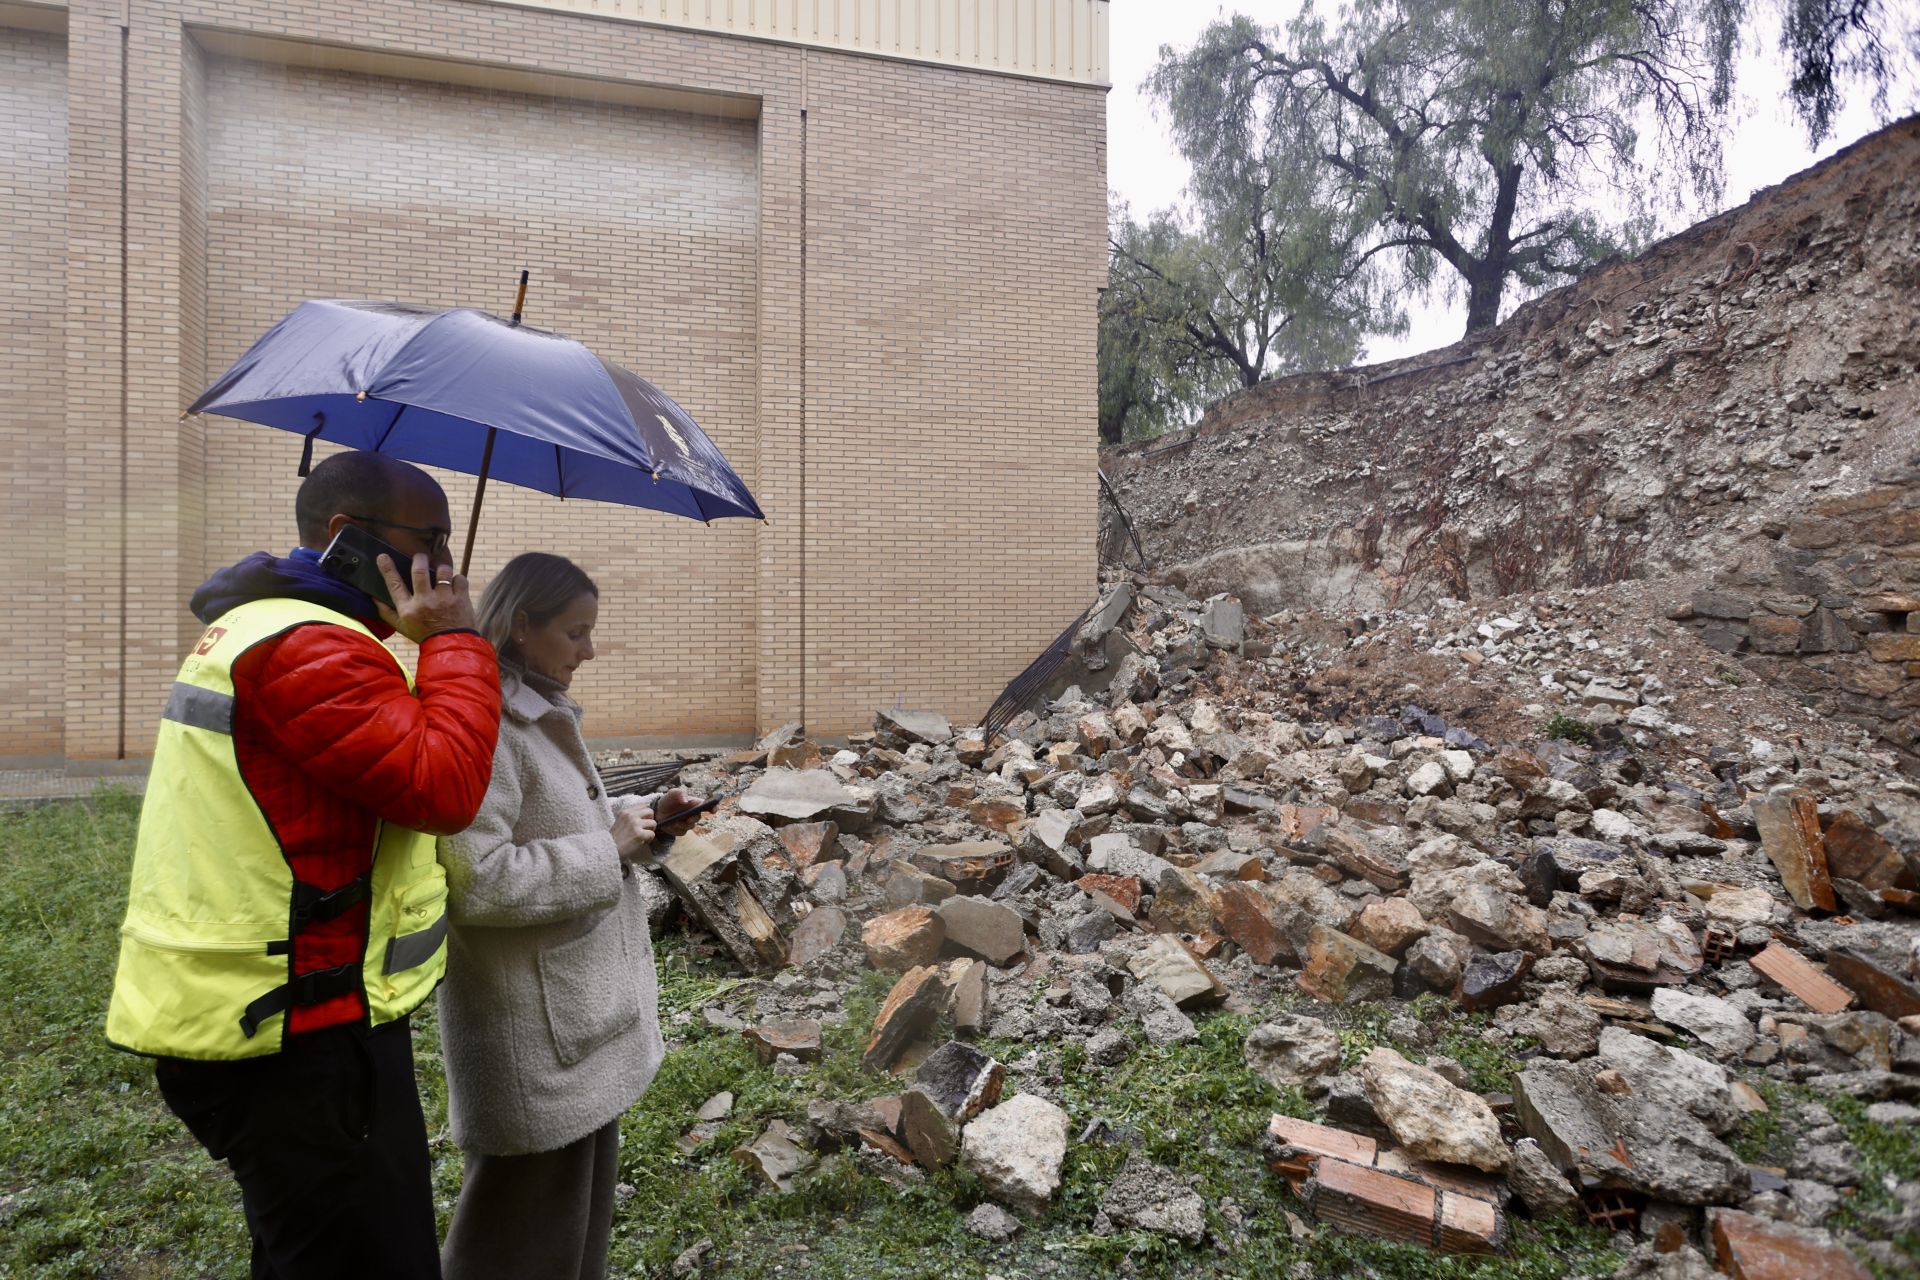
<point>882,310</point>
<point>33,198</point>
<point>639,227</point>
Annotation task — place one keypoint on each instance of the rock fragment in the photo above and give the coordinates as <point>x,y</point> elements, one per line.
<point>1017,1149</point>
<point>1151,1198</point>
<point>1431,1118</point>
<point>1292,1051</point>
<point>990,930</point>
<point>1172,969</point>
<point>1790,836</point>
<point>775,1156</point>
<point>903,939</point>
<point>1340,969</point>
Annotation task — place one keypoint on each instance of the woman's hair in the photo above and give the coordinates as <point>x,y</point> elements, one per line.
<point>538,584</point>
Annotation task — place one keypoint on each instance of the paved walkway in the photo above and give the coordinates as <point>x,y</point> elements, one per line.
<point>35,786</point>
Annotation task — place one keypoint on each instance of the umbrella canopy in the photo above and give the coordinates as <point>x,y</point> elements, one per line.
<point>468,391</point>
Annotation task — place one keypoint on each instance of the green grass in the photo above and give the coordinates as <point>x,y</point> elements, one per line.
<point>107,1183</point>
<point>1568,729</point>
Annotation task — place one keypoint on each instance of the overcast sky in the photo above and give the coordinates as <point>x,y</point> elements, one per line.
<point>1145,171</point>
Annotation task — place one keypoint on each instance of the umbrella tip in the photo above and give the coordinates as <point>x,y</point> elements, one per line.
<point>360,396</point>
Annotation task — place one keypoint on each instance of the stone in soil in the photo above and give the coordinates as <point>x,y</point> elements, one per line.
<point>1490,981</point>
<point>1876,987</point>
<point>929,1132</point>
<point>1182,903</point>
<point>1340,969</point>
<point>799,1037</point>
<point>809,842</point>
<point>909,1009</point>
<point>816,935</point>
<point>1259,923</point>
<point>775,1156</point>
<point>1541,1187</point>
<point>1151,1198</point>
<point>929,727</point>
<point>967,1000</point>
<point>807,795</point>
<point>991,1223</point>
<point>1621,1140</point>
<point>1292,1051</point>
<point>1124,890</point>
<point>1790,836</point>
<point>1754,1248</point>
<point>961,1080</point>
<point>1432,1119</point>
<point>1017,1150</point>
<point>1716,1023</point>
<point>988,929</point>
<point>1171,969</point>
<point>903,939</point>
<point>1390,926</point>
<point>909,885</point>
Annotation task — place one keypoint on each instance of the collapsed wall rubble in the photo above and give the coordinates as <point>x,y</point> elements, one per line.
<point>1654,914</point>
<point>1735,410</point>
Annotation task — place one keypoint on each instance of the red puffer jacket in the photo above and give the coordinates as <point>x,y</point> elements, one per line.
<point>331,742</point>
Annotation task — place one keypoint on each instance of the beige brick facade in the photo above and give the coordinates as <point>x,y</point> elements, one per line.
<point>872,279</point>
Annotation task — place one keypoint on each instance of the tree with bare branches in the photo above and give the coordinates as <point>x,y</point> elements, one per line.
<point>1470,134</point>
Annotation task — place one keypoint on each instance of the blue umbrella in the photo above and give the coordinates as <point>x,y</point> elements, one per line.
<point>468,391</point>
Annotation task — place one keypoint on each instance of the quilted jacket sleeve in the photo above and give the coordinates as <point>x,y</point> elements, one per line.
<point>496,880</point>
<point>334,702</point>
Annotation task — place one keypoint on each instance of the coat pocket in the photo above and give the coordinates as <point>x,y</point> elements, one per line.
<point>587,985</point>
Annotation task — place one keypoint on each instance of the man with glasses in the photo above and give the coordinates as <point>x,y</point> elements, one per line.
<point>287,912</point>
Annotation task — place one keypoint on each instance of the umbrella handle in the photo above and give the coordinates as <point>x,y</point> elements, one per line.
<point>520,301</point>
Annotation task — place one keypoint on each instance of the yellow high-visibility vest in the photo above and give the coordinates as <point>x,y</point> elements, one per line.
<point>206,961</point>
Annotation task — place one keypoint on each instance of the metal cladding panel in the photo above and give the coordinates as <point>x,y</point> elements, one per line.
<point>1048,39</point>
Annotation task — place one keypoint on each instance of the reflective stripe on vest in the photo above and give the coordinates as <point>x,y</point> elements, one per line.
<point>206,950</point>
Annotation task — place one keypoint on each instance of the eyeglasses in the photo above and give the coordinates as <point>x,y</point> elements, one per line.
<point>439,541</point>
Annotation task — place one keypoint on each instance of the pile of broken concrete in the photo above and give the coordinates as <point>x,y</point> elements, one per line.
<point>1646,941</point>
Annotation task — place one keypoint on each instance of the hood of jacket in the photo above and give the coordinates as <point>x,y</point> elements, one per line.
<point>262,576</point>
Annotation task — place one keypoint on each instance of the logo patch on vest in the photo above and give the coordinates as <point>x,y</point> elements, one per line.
<point>209,640</point>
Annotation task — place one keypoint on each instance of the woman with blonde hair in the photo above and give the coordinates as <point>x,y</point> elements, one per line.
<point>547,1017</point>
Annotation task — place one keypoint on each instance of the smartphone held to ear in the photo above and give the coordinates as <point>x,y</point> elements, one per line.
<point>353,557</point>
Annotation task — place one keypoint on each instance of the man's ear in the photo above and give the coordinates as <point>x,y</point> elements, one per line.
<point>334,525</point>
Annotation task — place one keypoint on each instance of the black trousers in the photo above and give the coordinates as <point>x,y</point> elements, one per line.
<point>329,1147</point>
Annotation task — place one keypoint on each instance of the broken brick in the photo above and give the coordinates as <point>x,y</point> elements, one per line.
<point>972,866</point>
<point>1390,1206</point>
<point>1801,979</point>
<point>1754,1248</point>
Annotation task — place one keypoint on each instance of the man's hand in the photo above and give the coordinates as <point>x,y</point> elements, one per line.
<point>633,831</point>
<point>437,601</point>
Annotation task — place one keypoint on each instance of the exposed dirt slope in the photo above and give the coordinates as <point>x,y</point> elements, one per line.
<point>1652,419</point>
